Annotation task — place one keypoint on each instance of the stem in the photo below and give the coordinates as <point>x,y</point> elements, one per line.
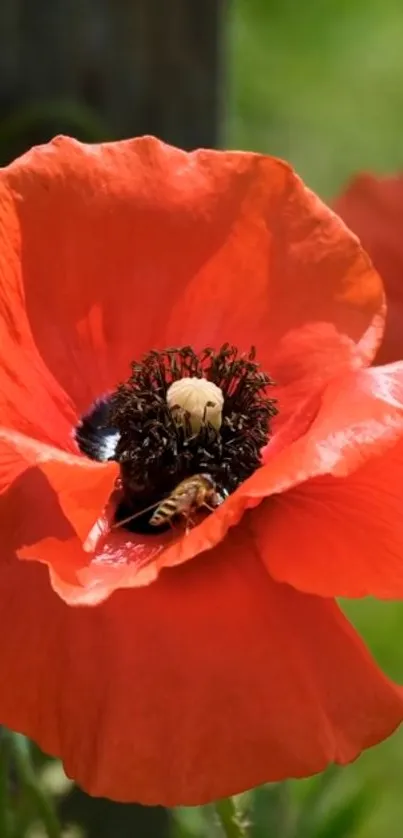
<point>283,811</point>
<point>229,819</point>
<point>29,782</point>
<point>4,812</point>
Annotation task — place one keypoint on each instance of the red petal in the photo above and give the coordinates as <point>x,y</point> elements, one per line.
<point>373,208</point>
<point>341,534</point>
<point>210,681</point>
<point>306,359</point>
<point>118,247</point>
<point>360,419</point>
<point>107,248</point>
<point>31,400</point>
<point>52,498</point>
<point>338,537</point>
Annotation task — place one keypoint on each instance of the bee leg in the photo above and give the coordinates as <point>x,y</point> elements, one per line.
<point>210,508</point>
<point>189,525</point>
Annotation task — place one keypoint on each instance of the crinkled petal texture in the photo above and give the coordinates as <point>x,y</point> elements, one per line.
<point>108,251</point>
<point>373,208</point>
<point>337,530</point>
<point>215,677</point>
<point>212,680</point>
<point>324,509</point>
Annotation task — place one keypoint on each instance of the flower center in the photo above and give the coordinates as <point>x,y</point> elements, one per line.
<point>178,416</point>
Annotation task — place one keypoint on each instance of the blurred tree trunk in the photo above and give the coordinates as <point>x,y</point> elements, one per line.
<point>165,74</point>
<point>143,66</point>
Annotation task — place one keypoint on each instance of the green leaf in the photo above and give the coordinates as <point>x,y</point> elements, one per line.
<point>41,803</point>
<point>272,811</point>
<point>343,822</point>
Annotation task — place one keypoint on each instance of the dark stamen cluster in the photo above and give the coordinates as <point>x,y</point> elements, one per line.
<point>156,452</point>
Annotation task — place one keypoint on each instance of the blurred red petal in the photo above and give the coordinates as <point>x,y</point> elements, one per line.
<point>210,681</point>
<point>373,208</point>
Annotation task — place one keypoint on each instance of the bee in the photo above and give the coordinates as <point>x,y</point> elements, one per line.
<point>190,495</point>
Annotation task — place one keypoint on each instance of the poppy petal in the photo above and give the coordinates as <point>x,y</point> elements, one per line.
<point>306,359</point>
<point>337,537</point>
<point>31,401</point>
<point>92,236</point>
<point>373,208</point>
<point>212,680</point>
<point>121,246</point>
<point>360,418</point>
<point>51,497</point>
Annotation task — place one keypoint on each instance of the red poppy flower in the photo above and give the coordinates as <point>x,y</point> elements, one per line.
<point>373,208</point>
<point>170,667</point>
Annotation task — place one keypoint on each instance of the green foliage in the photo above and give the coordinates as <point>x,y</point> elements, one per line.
<point>344,821</point>
<point>318,83</point>
<point>323,810</point>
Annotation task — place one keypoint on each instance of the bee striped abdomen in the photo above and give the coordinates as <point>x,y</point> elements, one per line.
<point>190,494</point>
<point>165,512</point>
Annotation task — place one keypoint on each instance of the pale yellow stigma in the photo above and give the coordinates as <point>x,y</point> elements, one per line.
<point>202,400</point>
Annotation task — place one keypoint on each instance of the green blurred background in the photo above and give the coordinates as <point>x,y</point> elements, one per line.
<point>319,83</point>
